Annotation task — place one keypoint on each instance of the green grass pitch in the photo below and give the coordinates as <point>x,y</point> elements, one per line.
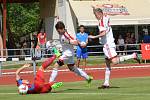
<point>122,89</point>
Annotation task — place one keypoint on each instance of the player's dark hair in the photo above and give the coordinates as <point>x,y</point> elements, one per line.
<point>60,25</point>
<point>98,10</point>
<point>81,26</point>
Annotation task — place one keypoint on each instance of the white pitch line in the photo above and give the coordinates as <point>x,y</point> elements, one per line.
<point>7,93</point>
<point>66,70</point>
<point>128,94</point>
<point>121,94</point>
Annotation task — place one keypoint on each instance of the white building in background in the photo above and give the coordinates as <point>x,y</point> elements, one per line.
<point>79,12</point>
<point>56,10</point>
<point>124,14</point>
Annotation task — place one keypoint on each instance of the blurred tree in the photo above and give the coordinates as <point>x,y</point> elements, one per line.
<point>22,19</point>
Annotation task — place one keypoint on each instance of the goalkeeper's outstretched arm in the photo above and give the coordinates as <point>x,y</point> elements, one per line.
<point>21,69</point>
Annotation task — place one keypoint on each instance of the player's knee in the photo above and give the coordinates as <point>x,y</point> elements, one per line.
<point>71,67</point>
<point>115,60</point>
<point>55,69</point>
<point>108,68</point>
<point>78,59</point>
<point>60,62</point>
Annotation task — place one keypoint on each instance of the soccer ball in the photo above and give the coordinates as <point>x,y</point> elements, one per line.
<point>23,89</point>
<point>83,43</point>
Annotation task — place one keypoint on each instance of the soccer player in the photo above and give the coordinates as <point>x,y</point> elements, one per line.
<point>39,85</point>
<point>82,37</point>
<point>106,37</point>
<point>67,57</point>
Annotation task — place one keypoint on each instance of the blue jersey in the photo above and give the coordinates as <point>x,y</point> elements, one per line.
<point>82,38</point>
<point>146,39</point>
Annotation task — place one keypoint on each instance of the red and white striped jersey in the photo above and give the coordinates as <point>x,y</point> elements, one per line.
<point>104,25</point>
<point>67,48</point>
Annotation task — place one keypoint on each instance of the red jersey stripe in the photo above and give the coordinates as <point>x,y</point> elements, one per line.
<point>102,22</point>
<point>68,36</point>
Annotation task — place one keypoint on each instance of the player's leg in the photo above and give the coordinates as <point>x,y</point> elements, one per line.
<point>59,63</point>
<point>48,62</point>
<point>107,74</point>
<point>84,62</point>
<point>55,70</point>
<point>111,54</point>
<point>47,87</point>
<point>77,70</point>
<point>78,62</point>
<point>84,56</point>
<point>39,79</point>
<point>78,54</point>
<point>80,72</point>
<point>112,57</point>
<point>117,60</point>
<point>108,54</point>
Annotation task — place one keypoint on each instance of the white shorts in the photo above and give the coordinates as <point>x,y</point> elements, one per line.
<point>67,59</point>
<point>109,51</point>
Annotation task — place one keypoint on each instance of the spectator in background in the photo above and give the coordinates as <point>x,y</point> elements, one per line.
<point>34,40</point>
<point>24,46</point>
<point>130,39</point>
<point>42,41</point>
<point>133,41</point>
<point>38,52</point>
<point>121,44</point>
<point>82,37</point>
<point>49,47</point>
<point>35,51</point>
<point>146,38</point>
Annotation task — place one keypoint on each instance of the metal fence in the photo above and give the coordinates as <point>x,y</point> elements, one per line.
<point>29,54</point>
<point>95,49</point>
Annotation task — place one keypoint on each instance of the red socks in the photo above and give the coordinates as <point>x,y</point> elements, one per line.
<point>48,61</point>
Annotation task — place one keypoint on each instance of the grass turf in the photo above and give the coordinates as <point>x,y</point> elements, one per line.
<point>122,89</point>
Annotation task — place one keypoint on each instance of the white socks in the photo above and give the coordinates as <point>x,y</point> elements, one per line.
<point>76,70</point>
<point>124,58</point>
<point>107,76</point>
<point>80,72</point>
<point>53,75</point>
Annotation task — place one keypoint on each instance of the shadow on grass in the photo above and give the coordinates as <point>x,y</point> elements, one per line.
<point>112,87</point>
<point>68,90</point>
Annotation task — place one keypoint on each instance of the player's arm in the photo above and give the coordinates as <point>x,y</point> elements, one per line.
<point>101,34</point>
<point>87,40</point>
<point>79,42</point>
<point>74,42</point>
<point>71,39</point>
<point>21,69</point>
